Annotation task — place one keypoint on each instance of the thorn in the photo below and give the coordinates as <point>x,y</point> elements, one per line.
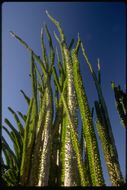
<point>12,34</point>
<point>42,31</point>
<point>46,12</point>
<point>98,64</point>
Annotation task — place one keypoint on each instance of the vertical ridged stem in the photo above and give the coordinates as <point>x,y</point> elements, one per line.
<point>85,158</point>
<point>88,128</point>
<point>121,104</point>
<point>38,143</point>
<point>103,104</point>
<point>44,53</point>
<point>45,152</point>
<point>87,168</point>
<point>74,135</point>
<point>70,168</point>
<point>34,113</point>
<point>52,53</point>
<point>24,170</point>
<point>111,161</point>
<point>100,96</point>
<point>71,102</point>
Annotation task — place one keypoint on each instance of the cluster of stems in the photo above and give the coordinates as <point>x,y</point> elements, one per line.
<point>47,148</point>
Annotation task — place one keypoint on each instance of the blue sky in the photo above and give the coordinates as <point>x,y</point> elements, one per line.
<point>102,30</point>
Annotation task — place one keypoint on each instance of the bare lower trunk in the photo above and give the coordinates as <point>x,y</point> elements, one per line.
<point>45,155</point>
<point>70,161</point>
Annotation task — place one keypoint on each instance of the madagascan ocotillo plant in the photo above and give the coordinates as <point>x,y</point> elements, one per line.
<point>121,103</point>
<point>48,150</point>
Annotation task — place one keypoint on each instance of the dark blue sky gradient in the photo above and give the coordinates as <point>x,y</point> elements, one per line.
<point>102,30</point>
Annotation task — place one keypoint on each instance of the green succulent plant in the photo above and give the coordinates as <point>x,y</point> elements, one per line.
<point>47,148</point>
